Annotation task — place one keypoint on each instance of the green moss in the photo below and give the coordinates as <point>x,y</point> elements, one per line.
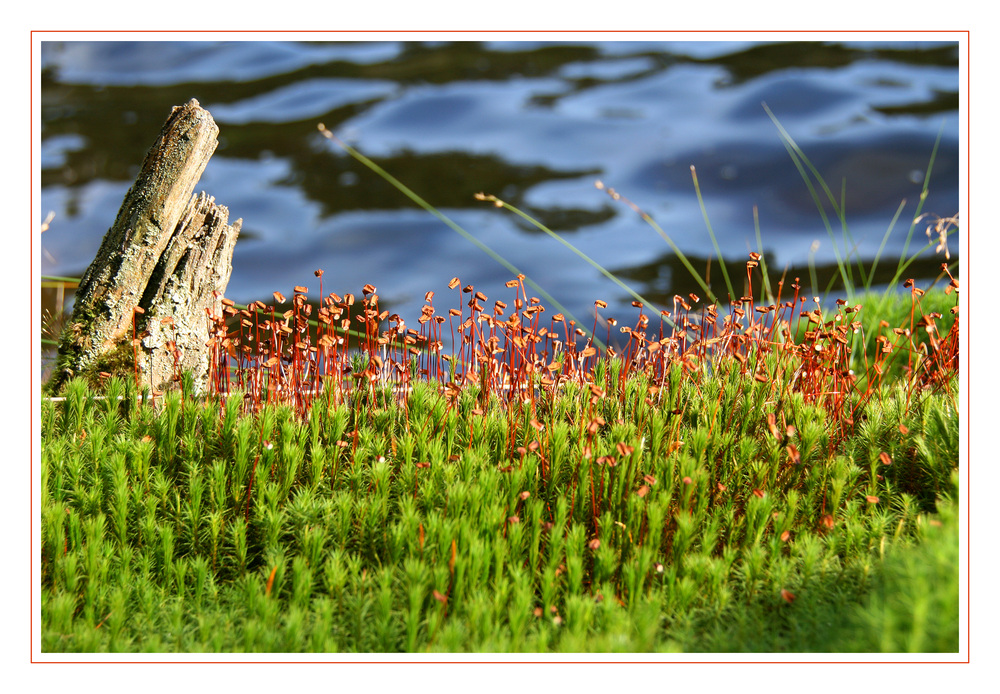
<point>267,533</point>
<point>118,362</point>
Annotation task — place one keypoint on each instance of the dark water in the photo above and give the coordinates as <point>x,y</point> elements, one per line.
<point>534,123</point>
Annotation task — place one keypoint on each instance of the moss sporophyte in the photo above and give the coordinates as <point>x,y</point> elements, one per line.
<point>493,479</point>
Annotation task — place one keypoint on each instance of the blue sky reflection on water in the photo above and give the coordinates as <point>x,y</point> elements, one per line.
<point>534,123</point>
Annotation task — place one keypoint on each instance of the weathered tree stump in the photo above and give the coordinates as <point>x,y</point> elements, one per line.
<point>169,254</point>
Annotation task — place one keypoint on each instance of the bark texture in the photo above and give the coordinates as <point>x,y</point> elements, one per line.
<point>169,253</point>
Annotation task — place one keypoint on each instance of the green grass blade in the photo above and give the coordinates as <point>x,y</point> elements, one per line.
<point>922,199</point>
<point>802,163</point>
<point>760,251</point>
<point>885,238</point>
<point>708,224</point>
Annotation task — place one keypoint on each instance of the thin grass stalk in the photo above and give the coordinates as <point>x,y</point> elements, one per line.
<point>422,203</point>
<point>711,232</point>
<point>659,230</point>
<point>920,203</point>
<point>801,162</point>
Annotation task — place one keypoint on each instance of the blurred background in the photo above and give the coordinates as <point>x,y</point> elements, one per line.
<point>535,123</point>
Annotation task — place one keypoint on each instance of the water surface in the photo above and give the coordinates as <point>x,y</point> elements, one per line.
<point>536,123</point>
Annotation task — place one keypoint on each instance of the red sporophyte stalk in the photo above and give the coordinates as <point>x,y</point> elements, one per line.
<point>135,343</point>
<point>294,355</point>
